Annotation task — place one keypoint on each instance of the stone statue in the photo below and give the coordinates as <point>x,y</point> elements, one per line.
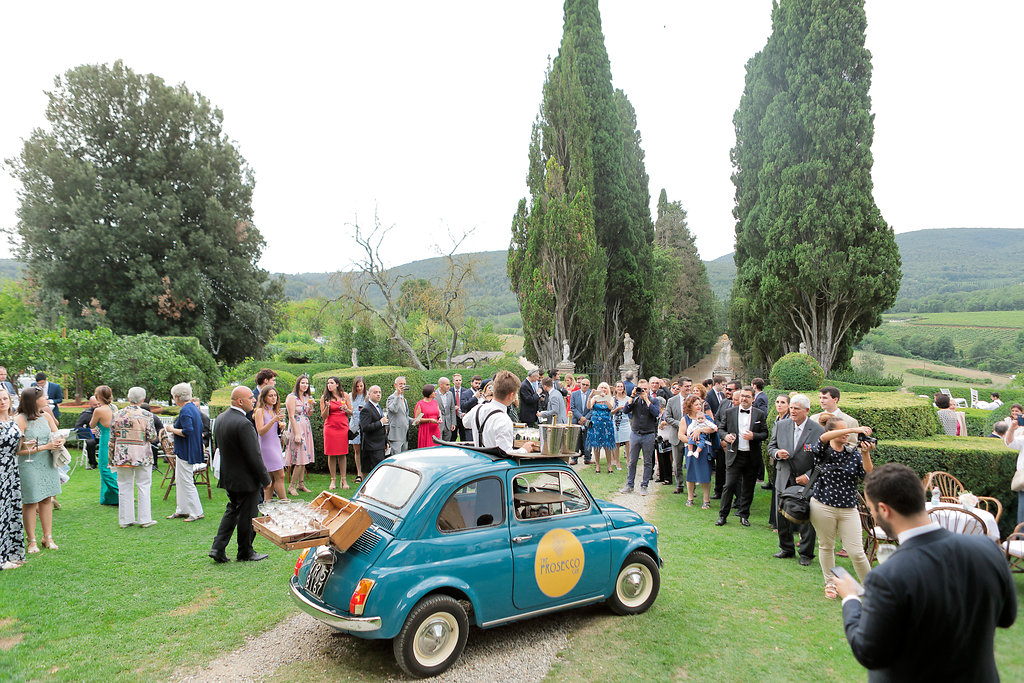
<point>803,347</point>
<point>355,361</point>
<point>627,350</point>
<point>565,350</point>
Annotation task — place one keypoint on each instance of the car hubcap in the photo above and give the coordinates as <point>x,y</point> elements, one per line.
<point>634,585</point>
<point>436,639</point>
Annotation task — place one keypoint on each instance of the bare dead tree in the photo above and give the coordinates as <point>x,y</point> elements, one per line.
<point>452,306</point>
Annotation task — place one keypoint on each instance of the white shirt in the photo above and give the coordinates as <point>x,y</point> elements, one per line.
<point>1018,442</point>
<point>743,421</point>
<point>798,429</point>
<point>497,430</point>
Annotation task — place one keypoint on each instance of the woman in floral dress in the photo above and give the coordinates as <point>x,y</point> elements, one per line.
<point>12,527</point>
<point>300,451</point>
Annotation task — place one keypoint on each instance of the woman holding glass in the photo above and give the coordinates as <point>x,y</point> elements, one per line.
<point>300,451</point>
<point>601,433</point>
<point>270,424</point>
<point>427,415</point>
<point>357,401</point>
<point>100,423</point>
<point>12,526</point>
<point>335,410</point>
<point>621,422</point>
<point>37,465</point>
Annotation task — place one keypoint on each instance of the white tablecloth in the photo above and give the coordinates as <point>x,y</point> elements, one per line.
<point>959,519</point>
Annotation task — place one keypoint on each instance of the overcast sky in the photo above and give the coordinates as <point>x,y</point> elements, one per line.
<point>422,110</point>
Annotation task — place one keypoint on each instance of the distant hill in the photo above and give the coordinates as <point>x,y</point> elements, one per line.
<point>10,269</point>
<point>938,262</point>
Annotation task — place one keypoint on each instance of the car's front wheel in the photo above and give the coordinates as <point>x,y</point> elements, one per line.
<point>636,586</point>
<point>433,636</point>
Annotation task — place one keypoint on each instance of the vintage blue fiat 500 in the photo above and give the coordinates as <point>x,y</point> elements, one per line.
<point>462,536</point>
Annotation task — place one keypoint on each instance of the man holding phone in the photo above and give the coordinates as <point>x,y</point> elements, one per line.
<point>931,610</point>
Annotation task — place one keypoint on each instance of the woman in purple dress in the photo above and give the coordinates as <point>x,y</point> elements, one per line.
<point>269,417</point>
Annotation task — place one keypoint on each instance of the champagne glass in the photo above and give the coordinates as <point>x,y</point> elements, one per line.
<point>30,444</point>
<point>884,551</point>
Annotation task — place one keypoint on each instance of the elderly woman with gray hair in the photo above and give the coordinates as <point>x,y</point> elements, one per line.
<point>131,432</point>
<point>188,451</point>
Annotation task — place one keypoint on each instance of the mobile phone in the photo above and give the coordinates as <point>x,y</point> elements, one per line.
<point>1020,420</point>
<point>840,572</point>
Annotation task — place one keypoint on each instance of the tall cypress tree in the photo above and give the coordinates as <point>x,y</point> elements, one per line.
<point>815,254</point>
<point>579,126</point>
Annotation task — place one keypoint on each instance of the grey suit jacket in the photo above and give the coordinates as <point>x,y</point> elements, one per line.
<point>674,415</point>
<point>446,403</point>
<point>556,407</point>
<point>398,418</point>
<point>801,460</point>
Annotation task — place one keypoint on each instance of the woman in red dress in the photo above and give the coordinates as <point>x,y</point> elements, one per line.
<point>335,409</point>
<point>427,414</point>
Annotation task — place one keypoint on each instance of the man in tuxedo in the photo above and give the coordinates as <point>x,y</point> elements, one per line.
<point>730,399</point>
<point>790,448</point>
<point>398,418</point>
<point>578,404</point>
<point>53,392</point>
<point>445,400</point>
<point>373,423</point>
<point>529,398</point>
<point>741,434</point>
<point>931,610</point>
<point>242,474</point>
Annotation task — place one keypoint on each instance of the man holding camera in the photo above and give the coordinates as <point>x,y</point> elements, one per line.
<point>741,433</point>
<point>644,410</point>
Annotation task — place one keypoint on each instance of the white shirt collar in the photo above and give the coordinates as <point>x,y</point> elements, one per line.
<point>908,534</point>
<point>238,409</point>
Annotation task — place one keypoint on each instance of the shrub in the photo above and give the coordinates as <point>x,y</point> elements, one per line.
<point>864,378</point>
<point>949,376</point>
<point>198,355</point>
<point>1007,395</point>
<point>796,371</point>
<point>984,466</point>
<point>152,363</point>
<point>847,386</point>
<point>892,415</point>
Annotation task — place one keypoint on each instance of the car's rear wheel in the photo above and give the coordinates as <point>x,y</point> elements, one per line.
<point>636,586</point>
<point>433,636</point>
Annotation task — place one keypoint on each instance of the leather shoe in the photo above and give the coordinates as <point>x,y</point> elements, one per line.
<point>218,557</point>
<point>805,561</point>
<point>744,521</point>
<point>720,521</point>
<point>253,557</point>
<point>717,496</point>
<point>767,487</point>
<point>783,554</point>
<point>678,490</point>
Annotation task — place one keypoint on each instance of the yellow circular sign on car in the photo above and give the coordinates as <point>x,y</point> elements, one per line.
<point>559,563</point>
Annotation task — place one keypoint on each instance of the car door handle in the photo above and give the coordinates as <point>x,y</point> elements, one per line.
<point>521,539</point>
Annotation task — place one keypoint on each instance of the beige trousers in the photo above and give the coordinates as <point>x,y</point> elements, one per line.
<point>827,521</point>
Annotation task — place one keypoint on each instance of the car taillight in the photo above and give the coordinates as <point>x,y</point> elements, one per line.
<point>358,601</point>
<point>302,558</point>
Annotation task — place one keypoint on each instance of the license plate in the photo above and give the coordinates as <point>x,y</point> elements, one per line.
<point>317,577</point>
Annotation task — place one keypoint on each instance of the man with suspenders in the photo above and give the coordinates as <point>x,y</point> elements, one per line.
<point>491,425</point>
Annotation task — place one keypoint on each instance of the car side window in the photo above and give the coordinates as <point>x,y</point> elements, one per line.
<point>546,494</point>
<point>480,503</point>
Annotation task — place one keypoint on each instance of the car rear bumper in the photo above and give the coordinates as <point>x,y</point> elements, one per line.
<point>342,623</point>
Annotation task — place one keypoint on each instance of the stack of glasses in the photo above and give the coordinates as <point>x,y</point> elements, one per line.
<point>289,518</point>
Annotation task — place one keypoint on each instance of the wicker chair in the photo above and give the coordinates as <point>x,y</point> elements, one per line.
<point>992,505</point>
<point>949,485</point>
<point>1013,546</point>
<point>958,520</point>
<point>871,530</point>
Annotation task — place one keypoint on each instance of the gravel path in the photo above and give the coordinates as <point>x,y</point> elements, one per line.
<point>523,651</point>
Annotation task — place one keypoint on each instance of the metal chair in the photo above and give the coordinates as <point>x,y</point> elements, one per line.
<point>957,520</point>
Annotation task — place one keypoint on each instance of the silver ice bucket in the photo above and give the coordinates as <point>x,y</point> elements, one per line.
<point>572,438</point>
<point>551,439</point>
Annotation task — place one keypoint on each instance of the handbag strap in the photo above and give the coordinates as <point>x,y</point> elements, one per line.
<point>810,481</point>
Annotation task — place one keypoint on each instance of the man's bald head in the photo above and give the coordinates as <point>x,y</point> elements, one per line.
<point>242,397</point>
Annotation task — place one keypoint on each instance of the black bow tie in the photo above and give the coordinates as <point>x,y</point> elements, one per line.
<point>745,411</point>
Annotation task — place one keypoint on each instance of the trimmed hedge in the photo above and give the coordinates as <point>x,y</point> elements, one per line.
<point>797,371</point>
<point>844,387</point>
<point>984,466</point>
<point>892,415</point>
<point>69,414</point>
<point>1007,395</point>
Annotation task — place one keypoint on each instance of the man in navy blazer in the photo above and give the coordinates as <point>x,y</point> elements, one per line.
<point>53,392</point>
<point>529,398</point>
<point>581,416</point>
<point>931,610</point>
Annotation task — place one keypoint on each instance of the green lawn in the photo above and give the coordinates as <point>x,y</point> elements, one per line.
<point>136,604</point>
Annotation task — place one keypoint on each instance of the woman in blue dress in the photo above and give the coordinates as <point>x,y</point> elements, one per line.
<point>698,448</point>
<point>358,401</point>
<point>40,482</point>
<point>601,432</point>
<point>101,419</point>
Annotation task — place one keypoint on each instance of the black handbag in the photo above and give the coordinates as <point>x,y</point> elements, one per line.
<point>795,501</point>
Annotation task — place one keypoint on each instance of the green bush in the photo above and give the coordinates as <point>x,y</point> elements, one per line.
<point>847,386</point>
<point>984,466</point>
<point>199,356</point>
<point>949,376</point>
<point>1007,395</point>
<point>866,379</point>
<point>796,371</point>
<point>892,415</point>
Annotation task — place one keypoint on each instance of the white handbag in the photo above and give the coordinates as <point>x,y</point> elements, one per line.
<point>1018,481</point>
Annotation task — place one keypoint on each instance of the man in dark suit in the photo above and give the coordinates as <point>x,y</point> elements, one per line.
<point>741,434</point>
<point>790,446</point>
<point>85,434</point>
<point>53,392</point>
<point>529,398</point>
<point>373,423</point>
<point>730,399</point>
<point>761,403</point>
<point>242,474</point>
<point>931,610</point>
<point>579,405</point>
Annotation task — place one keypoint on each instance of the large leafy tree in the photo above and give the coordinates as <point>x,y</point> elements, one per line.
<point>136,213</point>
<point>685,303</point>
<point>590,134</point>
<point>816,261</point>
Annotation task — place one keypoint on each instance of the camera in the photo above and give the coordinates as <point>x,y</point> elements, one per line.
<point>864,438</point>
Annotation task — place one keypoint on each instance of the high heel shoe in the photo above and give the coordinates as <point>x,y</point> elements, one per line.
<point>49,544</point>
<point>332,486</point>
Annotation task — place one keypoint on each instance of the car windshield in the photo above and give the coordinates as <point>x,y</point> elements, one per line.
<point>391,485</point>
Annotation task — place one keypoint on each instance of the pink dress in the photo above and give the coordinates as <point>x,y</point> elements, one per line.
<point>301,453</point>
<point>428,430</point>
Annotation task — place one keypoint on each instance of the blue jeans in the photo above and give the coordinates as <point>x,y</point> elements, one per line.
<point>638,442</point>
<point>1020,507</point>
